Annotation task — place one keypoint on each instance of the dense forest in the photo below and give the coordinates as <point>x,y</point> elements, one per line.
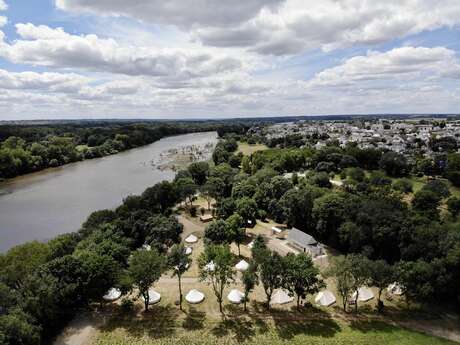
<point>385,229</point>
<point>29,148</point>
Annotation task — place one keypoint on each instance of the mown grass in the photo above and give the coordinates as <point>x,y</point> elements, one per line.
<point>166,325</point>
<point>247,149</point>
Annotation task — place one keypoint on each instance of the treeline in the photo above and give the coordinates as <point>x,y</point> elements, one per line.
<point>25,149</point>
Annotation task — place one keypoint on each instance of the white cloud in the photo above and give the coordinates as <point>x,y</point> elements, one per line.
<point>281,27</point>
<point>3,21</point>
<point>182,13</point>
<point>406,63</point>
<point>44,46</point>
<point>3,6</point>
<point>56,82</point>
<point>301,25</point>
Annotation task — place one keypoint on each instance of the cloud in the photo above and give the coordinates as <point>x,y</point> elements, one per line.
<point>301,25</point>
<point>182,13</point>
<point>3,6</point>
<point>56,82</point>
<point>3,21</point>
<point>45,46</point>
<point>406,63</point>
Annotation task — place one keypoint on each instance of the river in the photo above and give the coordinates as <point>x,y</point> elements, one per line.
<point>41,205</point>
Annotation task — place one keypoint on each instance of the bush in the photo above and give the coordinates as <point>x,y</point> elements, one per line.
<point>403,185</point>
<point>193,211</point>
<point>203,211</point>
<point>126,305</point>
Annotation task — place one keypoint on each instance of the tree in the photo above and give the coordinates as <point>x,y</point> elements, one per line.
<point>300,276</point>
<point>427,202</point>
<point>249,280</point>
<point>339,270</point>
<point>199,172</point>
<point>213,188</point>
<point>16,328</point>
<point>179,261</point>
<point>161,196</point>
<point>247,208</point>
<point>187,189</point>
<point>360,272</point>
<point>246,164</point>
<point>226,207</point>
<point>258,250</point>
<point>453,205</point>
<point>163,231</point>
<point>217,232</point>
<point>22,260</point>
<point>394,164</point>
<point>381,275</point>
<point>236,229</point>
<point>403,185</point>
<point>271,273</point>
<point>145,268</point>
<point>223,271</point>
<point>438,187</point>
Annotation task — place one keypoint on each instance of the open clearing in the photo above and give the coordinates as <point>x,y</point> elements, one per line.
<point>247,149</point>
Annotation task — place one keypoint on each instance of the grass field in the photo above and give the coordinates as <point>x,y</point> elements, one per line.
<point>247,149</point>
<point>167,325</point>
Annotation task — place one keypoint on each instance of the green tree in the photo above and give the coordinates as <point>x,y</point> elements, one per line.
<point>453,205</point>
<point>22,260</point>
<point>187,189</point>
<point>223,272</point>
<point>213,188</point>
<point>236,229</point>
<point>300,276</point>
<point>179,261</point>
<point>199,172</point>
<point>247,208</point>
<point>145,268</point>
<point>258,250</point>
<point>162,231</point>
<point>381,275</point>
<point>394,164</point>
<point>218,232</point>
<point>427,203</point>
<point>340,271</point>
<point>249,280</point>
<point>271,273</point>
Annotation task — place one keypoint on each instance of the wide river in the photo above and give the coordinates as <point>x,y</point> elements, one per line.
<point>42,205</point>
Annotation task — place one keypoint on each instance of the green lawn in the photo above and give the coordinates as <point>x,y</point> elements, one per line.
<point>247,149</point>
<point>167,325</point>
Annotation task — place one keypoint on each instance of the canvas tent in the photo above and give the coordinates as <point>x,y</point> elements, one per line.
<point>281,297</point>
<point>191,239</point>
<point>194,297</point>
<point>154,297</point>
<point>251,244</point>
<point>364,294</point>
<point>147,247</point>
<point>325,298</point>
<point>242,266</point>
<point>112,295</point>
<point>235,296</point>
<point>188,250</point>
<point>395,289</point>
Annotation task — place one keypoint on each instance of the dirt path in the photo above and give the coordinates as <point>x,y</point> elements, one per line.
<point>80,330</point>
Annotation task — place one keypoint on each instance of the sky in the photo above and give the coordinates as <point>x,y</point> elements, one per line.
<point>69,59</point>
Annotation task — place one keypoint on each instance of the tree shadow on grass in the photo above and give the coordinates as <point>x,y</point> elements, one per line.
<point>194,320</point>
<point>366,325</point>
<point>158,322</point>
<point>311,321</point>
<point>241,329</point>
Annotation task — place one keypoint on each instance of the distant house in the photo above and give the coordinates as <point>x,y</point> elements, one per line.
<point>304,242</point>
